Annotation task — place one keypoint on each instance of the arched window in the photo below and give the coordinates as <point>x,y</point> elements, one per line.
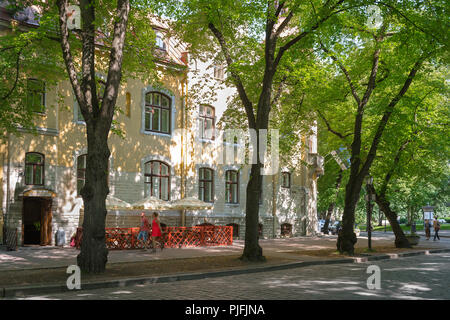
<point>81,172</point>
<point>206,184</point>
<point>157,179</point>
<point>207,122</point>
<point>231,186</point>
<point>34,168</point>
<point>285,179</point>
<point>160,44</point>
<point>157,112</point>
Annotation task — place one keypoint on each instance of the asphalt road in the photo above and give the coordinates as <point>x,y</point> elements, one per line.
<point>417,277</point>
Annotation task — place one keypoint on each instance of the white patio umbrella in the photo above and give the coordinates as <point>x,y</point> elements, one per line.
<point>113,203</point>
<point>151,203</point>
<point>191,203</point>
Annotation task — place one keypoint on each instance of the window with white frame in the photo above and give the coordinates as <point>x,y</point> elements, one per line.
<point>232,186</point>
<point>157,112</point>
<point>160,44</point>
<point>286,179</point>
<point>34,168</point>
<point>219,71</point>
<point>207,122</point>
<point>206,184</point>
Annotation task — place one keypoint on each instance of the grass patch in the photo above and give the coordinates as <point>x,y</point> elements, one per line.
<point>359,252</point>
<point>404,227</point>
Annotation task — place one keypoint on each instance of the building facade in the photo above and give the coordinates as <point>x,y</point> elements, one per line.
<point>168,151</point>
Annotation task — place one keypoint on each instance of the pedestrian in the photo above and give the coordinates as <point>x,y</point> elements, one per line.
<point>427,229</point>
<point>437,227</point>
<point>144,230</point>
<point>156,231</point>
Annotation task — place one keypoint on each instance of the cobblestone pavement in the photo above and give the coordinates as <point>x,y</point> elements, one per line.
<point>417,277</point>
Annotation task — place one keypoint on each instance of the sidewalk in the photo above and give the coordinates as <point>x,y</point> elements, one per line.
<point>43,269</point>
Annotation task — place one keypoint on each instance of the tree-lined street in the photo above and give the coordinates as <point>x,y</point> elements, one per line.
<point>420,277</point>
<point>108,109</point>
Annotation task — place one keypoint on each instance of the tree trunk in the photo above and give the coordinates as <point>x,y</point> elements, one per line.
<point>332,204</point>
<point>252,249</point>
<point>94,254</point>
<point>347,237</point>
<point>380,218</point>
<point>384,205</point>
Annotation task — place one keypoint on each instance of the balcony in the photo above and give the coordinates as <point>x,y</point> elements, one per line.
<point>316,162</point>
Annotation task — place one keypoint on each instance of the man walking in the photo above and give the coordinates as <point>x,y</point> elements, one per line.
<point>427,229</point>
<point>437,227</point>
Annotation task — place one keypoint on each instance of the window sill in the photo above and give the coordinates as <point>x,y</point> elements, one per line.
<point>232,204</point>
<point>152,133</point>
<point>206,140</point>
<point>79,122</point>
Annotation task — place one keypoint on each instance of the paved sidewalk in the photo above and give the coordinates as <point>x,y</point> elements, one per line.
<point>50,257</point>
<point>291,251</point>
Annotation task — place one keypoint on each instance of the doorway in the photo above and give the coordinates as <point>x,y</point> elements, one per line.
<point>37,221</point>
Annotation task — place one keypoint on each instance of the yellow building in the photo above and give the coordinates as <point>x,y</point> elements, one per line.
<point>41,175</point>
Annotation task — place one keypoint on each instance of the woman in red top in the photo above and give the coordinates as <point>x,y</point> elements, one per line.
<point>156,231</point>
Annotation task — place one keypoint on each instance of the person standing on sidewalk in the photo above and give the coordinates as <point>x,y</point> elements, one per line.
<point>156,231</point>
<point>427,229</point>
<point>144,230</point>
<point>437,227</point>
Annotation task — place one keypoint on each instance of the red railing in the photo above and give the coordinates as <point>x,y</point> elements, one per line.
<point>173,237</point>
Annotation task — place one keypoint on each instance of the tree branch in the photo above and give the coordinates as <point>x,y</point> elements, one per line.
<point>346,73</point>
<point>17,75</point>
<point>279,91</point>
<point>292,42</point>
<point>340,135</point>
<point>235,76</point>
<point>389,109</point>
<point>67,55</point>
<point>115,61</point>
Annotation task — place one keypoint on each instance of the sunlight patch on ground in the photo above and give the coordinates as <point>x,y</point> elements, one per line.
<point>368,294</point>
<point>8,258</point>
<point>122,292</point>
<point>412,288</point>
<point>411,268</point>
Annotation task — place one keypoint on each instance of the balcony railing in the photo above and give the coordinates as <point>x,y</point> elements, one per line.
<point>317,162</point>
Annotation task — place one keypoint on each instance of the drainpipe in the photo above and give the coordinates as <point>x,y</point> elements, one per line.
<point>8,179</point>
<point>183,142</point>
<point>274,205</point>
<point>182,213</point>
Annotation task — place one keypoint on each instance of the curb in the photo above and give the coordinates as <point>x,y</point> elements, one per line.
<point>9,292</point>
